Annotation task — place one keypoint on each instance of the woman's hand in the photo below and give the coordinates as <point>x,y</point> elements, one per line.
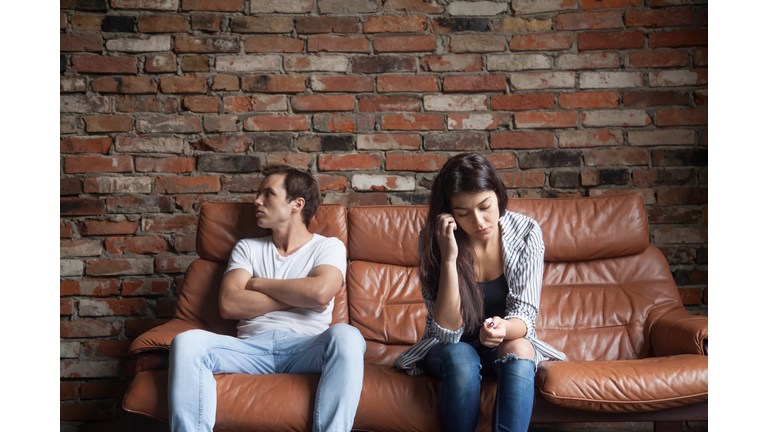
<point>446,241</point>
<point>492,334</point>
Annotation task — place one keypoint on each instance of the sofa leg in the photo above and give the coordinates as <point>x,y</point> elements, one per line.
<point>668,426</point>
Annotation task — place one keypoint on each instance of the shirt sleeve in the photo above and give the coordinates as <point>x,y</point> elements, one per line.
<point>240,258</point>
<point>525,289</point>
<point>333,253</point>
<point>444,335</point>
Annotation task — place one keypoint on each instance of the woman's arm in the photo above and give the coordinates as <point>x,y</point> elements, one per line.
<point>447,311</point>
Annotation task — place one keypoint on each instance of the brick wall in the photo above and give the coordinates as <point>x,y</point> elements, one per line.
<point>169,103</point>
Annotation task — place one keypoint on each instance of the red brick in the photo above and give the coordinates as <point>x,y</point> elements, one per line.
<point>700,57</point>
<point>350,199</point>
<point>683,235</point>
<point>236,144</point>
<point>414,162</point>
<point>323,103</point>
<point>274,83</point>
<point>404,43</point>
<point>412,122</point>
<point>331,182</point>
<point>329,43</point>
<point>213,5</point>
<point>589,100</point>
<point>501,160</point>
<point>677,78</point>
<point>177,264</point>
<point>477,121</point>
<point>262,102</point>
<point>225,82</point>
<point>108,123</point>
<point>96,164</point>
<point>452,141</point>
<point>70,186</point>
<point>535,120</point>
<point>176,185</point>
<point>605,157</point>
<point>165,165</point>
<point>261,24</point>
<point>137,245</point>
<point>343,83</point>
<point>106,348</point>
<point>473,83</point>
<point>206,44</point>
<point>348,162</point>
<point>87,411</point>
<point>145,104</point>
<point>682,38</point>
<point>65,230</point>
<point>89,328</point>
<point>80,206</point>
<point>386,141</point>
<point>195,63</point>
<point>104,64</point>
<point>590,138</point>
<point>524,179</point>
<point>158,63</point>
<point>66,306</point>
<point>146,286</point>
<point>112,307</point>
<point>276,123</point>
<point>664,177</point>
<point>406,83</point>
<point>127,84</point>
<point>201,104</point>
<point>610,4</point>
<point>334,122</point>
<point>681,196</point>
<point>388,103</point>
<point>81,42</point>
<point>656,19</point>
<point>700,97</point>
<point>237,183</point>
<point>587,61</point>
<point>522,140</point>
<point>79,247</point>
<point>187,84</point>
<point>395,24</point>
<point>273,44</point>
<point>88,287</point>
<point>326,24</point>
<point>681,117</point>
<point>589,21</point>
<point>452,63</point>
<point>116,267</point>
<point>86,22</point>
<point>68,390</point>
<point>301,161</point>
<point>168,124</point>
<point>96,227</point>
<point>165,224</point>
<point>519,102</point>
<point>656,59</point>
<point>162,24</point>
<point>655,98</point>
<point>103,390</point>
<point>220,123</point>
<point>85,145</point>
<point>414,6</point>
<point>541,42</point>
<point>613,40</point>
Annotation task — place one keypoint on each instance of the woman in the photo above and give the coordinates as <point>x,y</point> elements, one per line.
<point>479,263</point>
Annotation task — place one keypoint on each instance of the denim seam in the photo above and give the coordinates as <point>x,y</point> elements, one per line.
<point>320,388</point>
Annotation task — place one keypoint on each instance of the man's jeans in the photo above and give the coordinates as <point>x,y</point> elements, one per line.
<point>196,355</point>
<point>459,368</point>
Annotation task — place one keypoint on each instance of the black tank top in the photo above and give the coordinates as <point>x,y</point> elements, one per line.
<point>494,301</point>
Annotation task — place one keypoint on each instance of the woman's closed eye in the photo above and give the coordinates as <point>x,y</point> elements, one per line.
<point>481,208</point>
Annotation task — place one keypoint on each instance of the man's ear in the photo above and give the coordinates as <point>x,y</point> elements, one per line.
<point>298,205</point>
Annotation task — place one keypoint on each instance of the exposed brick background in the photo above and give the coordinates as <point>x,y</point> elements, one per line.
<point>166,104</point>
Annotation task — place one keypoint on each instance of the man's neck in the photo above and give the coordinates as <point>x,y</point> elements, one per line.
<point>288,239</point>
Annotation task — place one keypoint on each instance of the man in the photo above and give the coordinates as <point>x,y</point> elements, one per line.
<point>281,288</point>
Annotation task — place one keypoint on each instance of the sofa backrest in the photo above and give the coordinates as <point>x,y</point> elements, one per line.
<point>601,278</point>
<point>220,226</point>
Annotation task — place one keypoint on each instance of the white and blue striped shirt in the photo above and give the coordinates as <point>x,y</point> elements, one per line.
<point>523,250</point>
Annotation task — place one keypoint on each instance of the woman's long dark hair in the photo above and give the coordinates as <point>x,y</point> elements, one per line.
<point>463,173</point>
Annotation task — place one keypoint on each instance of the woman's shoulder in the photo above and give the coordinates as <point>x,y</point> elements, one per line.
<point>520,230</point>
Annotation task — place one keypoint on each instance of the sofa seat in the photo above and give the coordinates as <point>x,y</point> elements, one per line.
<point>622,386</point>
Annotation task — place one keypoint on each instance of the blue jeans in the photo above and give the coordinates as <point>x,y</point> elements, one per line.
<point>460,367</point>
<point>196,355</point>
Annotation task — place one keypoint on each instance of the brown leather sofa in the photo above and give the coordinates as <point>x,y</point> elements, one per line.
<point>608,301</point>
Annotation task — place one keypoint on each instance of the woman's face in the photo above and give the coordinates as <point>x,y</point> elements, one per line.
<point>476,213</point>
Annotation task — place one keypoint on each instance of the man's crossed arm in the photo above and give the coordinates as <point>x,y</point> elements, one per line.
<point>244,297</point>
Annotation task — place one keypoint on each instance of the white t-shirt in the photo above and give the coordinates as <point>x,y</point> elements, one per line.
<point>260,258</point>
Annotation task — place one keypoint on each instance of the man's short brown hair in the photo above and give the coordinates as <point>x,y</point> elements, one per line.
<point>298,184</point>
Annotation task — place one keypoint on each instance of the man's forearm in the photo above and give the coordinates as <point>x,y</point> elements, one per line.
<point>244,304</point>
<point>302,292</point>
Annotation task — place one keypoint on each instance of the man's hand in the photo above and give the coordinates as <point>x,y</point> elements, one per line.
<point>320,308</point>
<point>492,334</point>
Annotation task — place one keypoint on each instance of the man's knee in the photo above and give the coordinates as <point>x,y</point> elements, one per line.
<point>187,343</point>
<point>521,348</point>
<point>347,338</point>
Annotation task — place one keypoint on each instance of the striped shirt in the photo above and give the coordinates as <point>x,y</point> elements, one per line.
<point>523,253</point>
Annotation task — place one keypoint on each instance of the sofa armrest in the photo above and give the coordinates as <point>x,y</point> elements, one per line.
<point>678,332</point>
<point>160,337</point>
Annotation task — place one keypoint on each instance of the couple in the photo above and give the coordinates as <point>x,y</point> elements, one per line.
<point>480,269</point>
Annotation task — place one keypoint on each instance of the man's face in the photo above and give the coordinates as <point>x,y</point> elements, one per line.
<point>272,207</point>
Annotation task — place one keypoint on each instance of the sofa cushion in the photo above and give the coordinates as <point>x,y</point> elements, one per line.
<point>221,225</point>
<point>386,234</point>
<point>621,386</point>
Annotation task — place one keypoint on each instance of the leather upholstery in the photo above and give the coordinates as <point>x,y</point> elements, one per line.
<point>608,301</point>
